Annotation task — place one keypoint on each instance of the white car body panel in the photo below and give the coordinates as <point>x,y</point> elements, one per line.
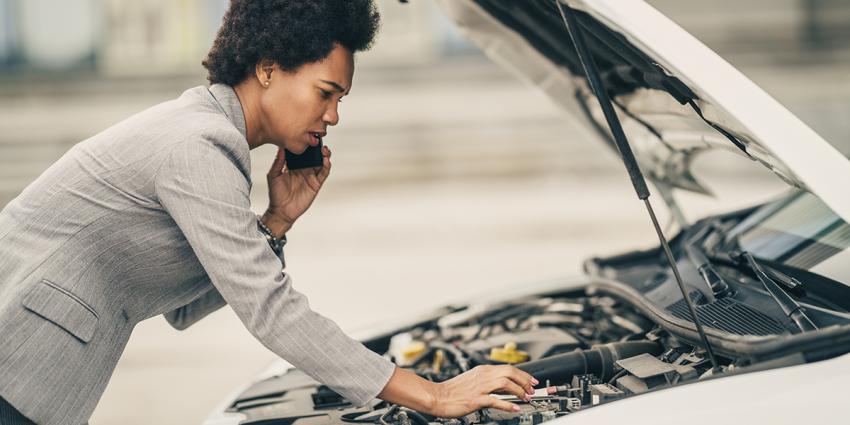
<point>805,394</point>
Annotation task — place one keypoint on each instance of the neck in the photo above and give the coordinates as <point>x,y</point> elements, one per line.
<point>249,97</point>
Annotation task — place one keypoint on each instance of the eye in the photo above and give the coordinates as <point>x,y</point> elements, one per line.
<point>326,94</point>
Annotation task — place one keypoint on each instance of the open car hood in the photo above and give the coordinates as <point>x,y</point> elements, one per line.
<point>675,97</point>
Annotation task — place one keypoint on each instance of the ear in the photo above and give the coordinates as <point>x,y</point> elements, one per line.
<point>264,70</point>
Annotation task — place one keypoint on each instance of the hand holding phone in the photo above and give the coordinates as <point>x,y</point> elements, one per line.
<point>291,191</point>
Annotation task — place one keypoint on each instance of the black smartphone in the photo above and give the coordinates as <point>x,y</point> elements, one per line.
<point>312,157</point>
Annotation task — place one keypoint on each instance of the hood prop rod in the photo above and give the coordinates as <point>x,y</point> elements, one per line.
<point>639,183</point>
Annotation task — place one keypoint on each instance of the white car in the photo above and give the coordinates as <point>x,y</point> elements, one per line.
<point>770,284</point>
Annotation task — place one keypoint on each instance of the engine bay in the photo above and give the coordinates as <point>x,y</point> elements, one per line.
<point>584,349</point>
<point>622,332</point>
<point>589,348</point>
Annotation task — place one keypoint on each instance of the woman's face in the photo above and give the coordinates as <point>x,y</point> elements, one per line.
<point>296,108</point>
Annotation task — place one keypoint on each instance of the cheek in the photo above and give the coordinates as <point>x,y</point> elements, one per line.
<point>290,111</point>
<point>304,100</point>
<point>277,115</point>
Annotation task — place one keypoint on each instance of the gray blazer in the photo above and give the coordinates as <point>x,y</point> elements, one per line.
<point>149,217</point>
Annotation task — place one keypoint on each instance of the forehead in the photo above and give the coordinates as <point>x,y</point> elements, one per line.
<point>337,67</point>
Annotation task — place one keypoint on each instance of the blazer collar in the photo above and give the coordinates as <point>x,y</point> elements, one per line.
<point>229,102</point>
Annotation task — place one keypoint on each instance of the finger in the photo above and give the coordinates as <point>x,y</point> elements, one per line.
<point>487,401</point>
<point>311,179</point>
<point>326,170</point>
<point>277,165</point>
<point>308,178</point>
<point>522,378</point>
<point>497,384</point>
<point>326,151</point>
<point>326,163</point>
<point>512,388</point>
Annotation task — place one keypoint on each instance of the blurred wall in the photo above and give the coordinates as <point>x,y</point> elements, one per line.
<point>767,30</point>
<point>156,37</point>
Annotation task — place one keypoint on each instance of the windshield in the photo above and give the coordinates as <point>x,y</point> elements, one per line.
<point>798,231</point>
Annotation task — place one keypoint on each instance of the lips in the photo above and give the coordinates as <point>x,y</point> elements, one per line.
<point>316,137</point>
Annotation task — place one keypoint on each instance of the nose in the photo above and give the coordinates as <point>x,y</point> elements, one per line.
<point>331,116</point>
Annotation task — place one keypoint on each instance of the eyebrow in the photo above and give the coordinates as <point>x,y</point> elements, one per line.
<point>336,86</point>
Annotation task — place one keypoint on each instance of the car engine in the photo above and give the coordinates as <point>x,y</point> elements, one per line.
<point>585,349</point>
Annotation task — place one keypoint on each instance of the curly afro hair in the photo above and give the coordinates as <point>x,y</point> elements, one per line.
<point>288,32</point>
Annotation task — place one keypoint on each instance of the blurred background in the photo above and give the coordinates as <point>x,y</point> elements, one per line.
<point>451,178</point>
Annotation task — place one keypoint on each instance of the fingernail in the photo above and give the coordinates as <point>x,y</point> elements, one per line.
<point>534,381</point>
<point>515,408</point>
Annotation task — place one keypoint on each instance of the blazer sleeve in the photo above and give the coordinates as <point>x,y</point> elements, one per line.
<point>187,315</point>
<point>204,186</point>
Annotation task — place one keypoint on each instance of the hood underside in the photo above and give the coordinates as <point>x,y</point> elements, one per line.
<point>674,96</point>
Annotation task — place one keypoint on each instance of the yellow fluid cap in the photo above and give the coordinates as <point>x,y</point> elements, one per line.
<point>508,354</point>
<point>414,350</point>
<point>437,364</point>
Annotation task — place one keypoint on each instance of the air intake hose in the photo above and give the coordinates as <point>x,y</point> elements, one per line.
<point>599,361</point>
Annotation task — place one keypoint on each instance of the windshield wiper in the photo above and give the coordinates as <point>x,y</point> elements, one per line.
<point>786,282</point>
<point>789,306</point>
<point>718,286</point>
<point>710,235</point>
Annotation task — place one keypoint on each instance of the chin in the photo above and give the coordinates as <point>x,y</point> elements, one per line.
<point>296,148</point>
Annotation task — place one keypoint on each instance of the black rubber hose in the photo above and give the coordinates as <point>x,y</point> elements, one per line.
<point>599,361</point>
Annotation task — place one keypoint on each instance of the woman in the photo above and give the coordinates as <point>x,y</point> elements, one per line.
<point>152,216</point>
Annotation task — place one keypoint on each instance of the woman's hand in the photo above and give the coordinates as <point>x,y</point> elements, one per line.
<point>461,395</point>
<point>470,391</point>
<point>291,192</point>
